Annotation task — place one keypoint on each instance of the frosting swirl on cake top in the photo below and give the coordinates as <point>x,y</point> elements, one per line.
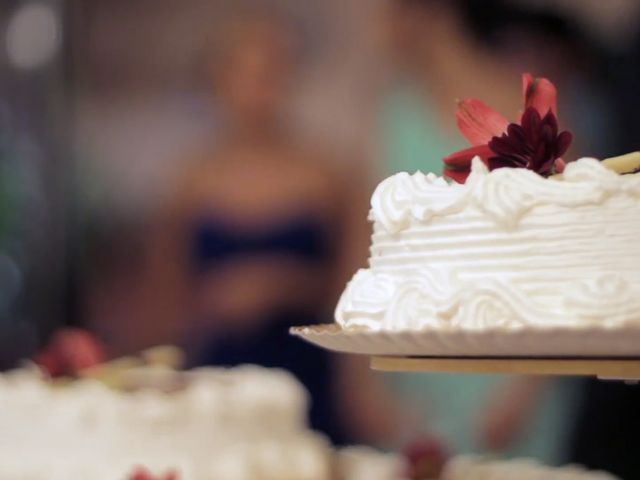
<point>503,195</point>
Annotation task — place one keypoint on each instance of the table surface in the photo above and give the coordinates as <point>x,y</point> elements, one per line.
<point>615,368</point>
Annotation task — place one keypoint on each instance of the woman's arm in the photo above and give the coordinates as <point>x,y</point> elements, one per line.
<point>508,411</point>
<point>369,410</point>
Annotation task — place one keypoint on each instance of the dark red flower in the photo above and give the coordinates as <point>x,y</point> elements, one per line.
<point>534,145</point>
<point>498,143</point>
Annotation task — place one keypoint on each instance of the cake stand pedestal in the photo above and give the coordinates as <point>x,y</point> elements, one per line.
<point>627,369</point>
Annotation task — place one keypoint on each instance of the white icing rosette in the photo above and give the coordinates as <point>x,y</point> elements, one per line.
<point>403,197</point>
<point>607,300</point>
<point>422,301</point>
<point>500,304</point>
<point>365,300</point>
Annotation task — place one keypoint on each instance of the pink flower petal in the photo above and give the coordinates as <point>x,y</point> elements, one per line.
<point>540,94</point>
<point>456,176</point>
<point>527,82</point>
<point>462,159</point>
<point>478,122</point>
<point>458,165</point>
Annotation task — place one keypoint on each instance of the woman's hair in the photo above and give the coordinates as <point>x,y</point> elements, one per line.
<point>237,21</point>
<point>489,21</point>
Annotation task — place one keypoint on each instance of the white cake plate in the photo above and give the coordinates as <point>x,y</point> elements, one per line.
<point>604,352</point>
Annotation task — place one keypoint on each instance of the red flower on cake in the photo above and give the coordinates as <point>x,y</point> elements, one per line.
<point>142,473</point>
<point>70,351</point>
<point>533,143</point>
<point>426,457</point>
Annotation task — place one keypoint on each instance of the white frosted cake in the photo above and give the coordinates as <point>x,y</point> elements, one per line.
<point>246,423</point>
<point>477,468</point>
<point>508,248</point>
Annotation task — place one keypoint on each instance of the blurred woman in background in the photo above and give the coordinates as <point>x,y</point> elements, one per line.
<point>261,234</point>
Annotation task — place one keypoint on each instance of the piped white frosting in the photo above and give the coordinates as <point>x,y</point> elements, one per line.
<point>508,248</point>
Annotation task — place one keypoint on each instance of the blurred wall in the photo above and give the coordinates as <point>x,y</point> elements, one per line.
<point>33,173</point>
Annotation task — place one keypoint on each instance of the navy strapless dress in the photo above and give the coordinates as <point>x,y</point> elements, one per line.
<point>303,238</point>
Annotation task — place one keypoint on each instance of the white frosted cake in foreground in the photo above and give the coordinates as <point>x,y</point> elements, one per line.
<point>246,423</point>
<point>508,248</point>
